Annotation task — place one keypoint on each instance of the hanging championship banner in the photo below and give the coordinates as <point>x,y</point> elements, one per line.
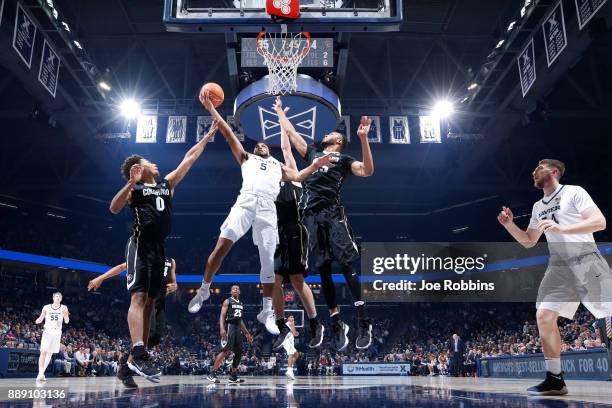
<point>24,35</point>
<point>146,131</point>
<point>586,9</point>
<point>49,68</point>
<point>177,129</point>
<point>203,126</point>
<point>399,133</point>
<point>344,126</point>
<point>375,136</point>
<point>235,128</point>
<point>430,129</point>
<point>527,69</point>
<point>555,39</point>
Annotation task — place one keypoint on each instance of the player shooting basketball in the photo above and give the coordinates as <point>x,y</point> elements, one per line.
<point>151,203</point>
<point>568,217</point>
<point>254,207</point>
<point>325,219</point>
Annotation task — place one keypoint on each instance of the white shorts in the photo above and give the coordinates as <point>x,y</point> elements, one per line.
<point>252,211</point>
<point>587,281</point>
<point>289,345</point>
<point>51,340</point>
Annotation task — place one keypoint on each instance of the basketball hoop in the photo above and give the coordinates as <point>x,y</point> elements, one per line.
<point>283,52</point>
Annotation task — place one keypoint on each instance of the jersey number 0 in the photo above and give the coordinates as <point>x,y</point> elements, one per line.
<point>159,203</point>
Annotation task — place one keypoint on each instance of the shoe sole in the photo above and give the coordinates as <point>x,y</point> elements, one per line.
<point>274,332</point>
<point>369,344</point>
<point>346,339</point>
<point>280,346</point>
<point>151,378</point>
<point>320,341</point>
<point>562,391</point>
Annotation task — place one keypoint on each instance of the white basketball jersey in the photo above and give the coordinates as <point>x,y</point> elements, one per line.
<point>564,206</point>
<point>261,176</point>
<point>54,317</point>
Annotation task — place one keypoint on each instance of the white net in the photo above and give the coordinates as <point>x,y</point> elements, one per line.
<point>283,52</point>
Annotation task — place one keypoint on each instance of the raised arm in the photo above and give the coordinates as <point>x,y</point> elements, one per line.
<point>364,168</point>
<point>226,130</point>
<point>123,196</point>
<point>191,156</point>
<point>528,238</point>
<point>296,139</point>
<point>290,174</point>
<point>171,287</point>
<point>286,148</point>
<point>95,283</point>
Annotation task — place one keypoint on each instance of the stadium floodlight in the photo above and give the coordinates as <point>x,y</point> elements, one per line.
<point>443,109</point>
<point>500,43</point>
<point>105,86</point>
<point>130,108</point>
<point>65,25</point>
<point>78,44</point>
<point>511,26</point>
<point>472,86</point>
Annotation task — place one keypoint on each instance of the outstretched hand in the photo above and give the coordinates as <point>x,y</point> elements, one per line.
<point>94,284</point>
<point>135,173</point>
<point>326,160</point>
<point>364,127</point>
<point>211,132</point>
<point>505,216</point>
<point>278,106</point>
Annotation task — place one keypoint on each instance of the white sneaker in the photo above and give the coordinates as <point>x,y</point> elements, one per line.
<point>289,374</point>
<point>41,377</point>
<point>267,318</point>
<point>195,304</point>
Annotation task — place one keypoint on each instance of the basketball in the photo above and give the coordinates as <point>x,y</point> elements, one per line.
<point>215,91</point>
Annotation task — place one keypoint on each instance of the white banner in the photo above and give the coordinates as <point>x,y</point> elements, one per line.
<point>399,132</point>
<point>202,128</point>
<point>430,129</point>
<point>146,131</point>
<point>177,129</point>
<point>555,38</point>
<point>24,35</point>
<point>344,126</point>
<point>49,68</point>
<point>375,135</point>
<point>527,68</point>
<point>237,129</point>
<point>376,369</point>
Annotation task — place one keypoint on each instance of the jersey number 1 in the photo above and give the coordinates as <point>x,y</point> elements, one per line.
<point>159,203</point>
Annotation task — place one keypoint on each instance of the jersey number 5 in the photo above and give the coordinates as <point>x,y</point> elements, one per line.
<point>159,203</point>
<point>263,166</point>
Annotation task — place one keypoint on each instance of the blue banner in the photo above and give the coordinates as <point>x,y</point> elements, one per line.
<point>49,69</point>
<point>18,362</point>
<point>586,9</point>
<point>555,38</point>
<point>576,365</point>
<point>527,68</point>
<point>24,35</point>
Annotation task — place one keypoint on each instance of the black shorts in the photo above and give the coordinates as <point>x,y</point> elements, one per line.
<point>234,339</point>
<point>145,261</point>
<point>291,256</point>
<point>330,235</point>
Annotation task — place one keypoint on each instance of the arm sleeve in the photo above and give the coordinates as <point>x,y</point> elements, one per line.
<point>582,200</point>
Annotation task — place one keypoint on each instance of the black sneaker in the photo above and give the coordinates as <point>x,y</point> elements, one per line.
<point>341,340</point>
<point>212,377</point>
<point>317,337</point>
<point>552,385</point>
<point>145,367</point>
<point>125,375</point>
<point>364,334</point>
<point>234,379</point>
<point>284,333</point>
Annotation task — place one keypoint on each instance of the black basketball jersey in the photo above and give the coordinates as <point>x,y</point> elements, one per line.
<point>152,207</point>
<point>167,269</point>
<point>234,311</point>
<point>322,188</point>
<point>287,203</point>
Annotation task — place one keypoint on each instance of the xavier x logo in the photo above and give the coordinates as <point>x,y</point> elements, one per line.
<point>303,122</point>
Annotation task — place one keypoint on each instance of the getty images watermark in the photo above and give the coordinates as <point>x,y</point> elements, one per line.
<point>479,272</point>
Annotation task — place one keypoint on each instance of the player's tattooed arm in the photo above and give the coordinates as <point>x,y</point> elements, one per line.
<point>290,174</point>
<point>245,331</point>
<point>364,168</point>
<point>226,130</point>
<point>528,238</point>
<point>286,149</point>
<point>296,139</point>
<point>191,156</point>
<point>171,287</point>
<point>95,283</point>
<point>123,196</point>
<point>222,316</point>
<point>40,319</point>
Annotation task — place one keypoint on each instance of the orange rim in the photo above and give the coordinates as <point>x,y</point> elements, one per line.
<point>267,55</point>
